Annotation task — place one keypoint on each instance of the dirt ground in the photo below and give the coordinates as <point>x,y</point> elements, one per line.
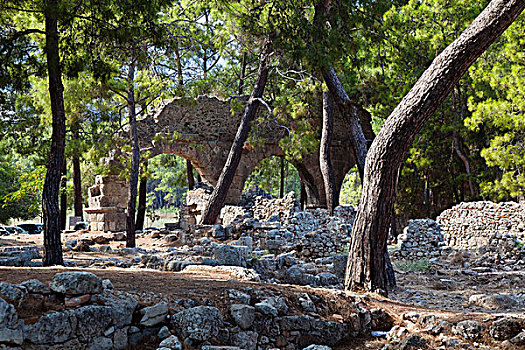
<point>443,290</point>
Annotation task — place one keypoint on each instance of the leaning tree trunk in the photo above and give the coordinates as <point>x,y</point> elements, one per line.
<point>77,188</point>
<point>135,157</point>
<point>324,153</point>
<point>52,242</point>
<point>366,263</point>
<point>213,208</point>
<point>63,197</point>
<point>141,210</point>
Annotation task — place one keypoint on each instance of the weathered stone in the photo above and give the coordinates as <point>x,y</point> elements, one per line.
<point>92,321</point>
<point>244,315</point>
<point>164,332</point>
<point>266,309</point>
<point>245,340</point>
<point>317,347</point>
<point>172,342</point>
<point>239,296</point>
<point>199,323</point>
<point>505,328</point>
<point>231,255</point>
<point>100,343</point>
<point>122,308</point>
<point>12,293</point>
<point>468,329</point>
<point>120,338</point>
<point>35,286</point>
<point>497,301</point>
<point>76,301</point>
<point>154,315</point>
<point>411,342</point>
<point>8,315</point>
<point>76,283</point>
<point>56,327</point>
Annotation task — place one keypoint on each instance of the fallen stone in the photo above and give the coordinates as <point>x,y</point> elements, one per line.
<point>468,329</point>
<point>497,301</point>
<point>12,293</point>
<point>199,323</point>
<point>411,342</point>
<point>245,340</point>
<point>164,332</point>
<point>244,315</point>
<point>76,283</point>
<point>35,286</point>
<point>505,328</point>
<point>154,315</point>
<point>172,342</point>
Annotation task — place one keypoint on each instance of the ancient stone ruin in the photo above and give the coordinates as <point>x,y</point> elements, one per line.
<point>202,131</point>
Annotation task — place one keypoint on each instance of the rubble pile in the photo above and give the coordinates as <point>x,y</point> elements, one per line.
<point>78,310</point>
<point>421,239</point>
<point>472,225</point>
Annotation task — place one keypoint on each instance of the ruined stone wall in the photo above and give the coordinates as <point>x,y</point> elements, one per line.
<point>472,225</point>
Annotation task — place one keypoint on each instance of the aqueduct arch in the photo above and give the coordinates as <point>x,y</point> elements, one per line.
<point>202,131</point>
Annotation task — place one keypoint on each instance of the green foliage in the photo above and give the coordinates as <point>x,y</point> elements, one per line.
<point>421,265</point>
<point>498,108</point>
<point>267,176</point>
<point>351,188</point>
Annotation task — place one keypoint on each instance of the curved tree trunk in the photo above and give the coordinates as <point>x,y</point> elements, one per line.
<point>52,242</point>
<point>324,153</point>
<point>218,196</point>
<point>464,159</point>
<point>366,263</point>
<point>135,158</point>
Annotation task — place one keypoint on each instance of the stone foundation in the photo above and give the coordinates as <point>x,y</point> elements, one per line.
<point>107,203</point>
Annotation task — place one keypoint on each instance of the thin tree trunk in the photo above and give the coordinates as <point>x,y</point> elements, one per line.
<point>135,158</point>
<point>243,73</point>
<point>141,210</point>
<point>465,161</point>
<point>180,79</point>
<point>198,177</point>
<point>52,241</point>
<point>324,153</point>
<point>281,185</point>
<point>366,263</point>
<point>63,196</point>
<point>218,196</point>
<point>77,186</point>
<point>189,175</point>
<point>303,196</point>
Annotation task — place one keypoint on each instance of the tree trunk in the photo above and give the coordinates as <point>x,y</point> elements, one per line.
<point>52,242</point>
<point>302,196</point>
<point>281,185</point>
<point>218,196</point>
<point>180,79</point>
<point>189,175</point>
<point>324,153</point>
<point>366,263</point>
<point>63,196</point>
<point>345,106</point>
<point>350,113</point>
<point>135,157</point>
<point>77,185</point>
<point>243,73</point>
<point>141,211</point>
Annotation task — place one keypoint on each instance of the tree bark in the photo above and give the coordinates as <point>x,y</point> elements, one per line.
<point>343,102</point>
<point>281,185</point>
<point>366,263</point>
<point>135,157</point>
<point>213,208</point>
<point>302,196</point>
<point>324,153</point>
<point>350,113</point>
<point>52,241</point>
<point>63,197</point>
<point>77,185</point>
<point>141,211</point>
<point>189,175</point>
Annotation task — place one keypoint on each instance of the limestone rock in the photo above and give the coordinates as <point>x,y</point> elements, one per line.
<point>76,283</point>
<point>496,301</point>
<point>245,340</point>
<point>172,342</point>
<point>199,323</point>
<point>154,315</point>
<point>12,293</point>
<point>468,329</point>
<point>244,315</point>
<point>505,328</point>
<point>56,327</point>
<point>232,255</point>
<point>35,286</point>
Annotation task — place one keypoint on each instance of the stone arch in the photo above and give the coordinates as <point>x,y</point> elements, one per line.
<point>202,131</point>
